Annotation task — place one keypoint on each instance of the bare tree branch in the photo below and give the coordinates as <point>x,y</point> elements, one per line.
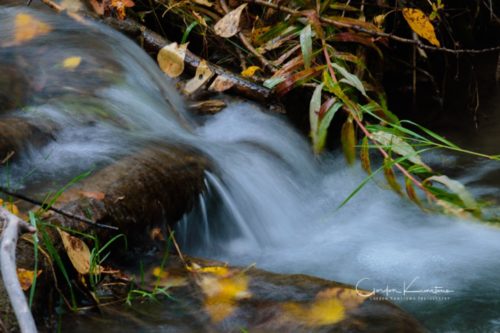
<point>13,225</point>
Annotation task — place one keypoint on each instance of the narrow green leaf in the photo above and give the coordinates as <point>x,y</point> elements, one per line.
<point>350,79</point>
<point>457,188</point>
<point>348,140</point>
<point>306,45</point>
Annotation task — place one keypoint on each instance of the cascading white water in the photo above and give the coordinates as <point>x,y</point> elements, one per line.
<point>270,201</point>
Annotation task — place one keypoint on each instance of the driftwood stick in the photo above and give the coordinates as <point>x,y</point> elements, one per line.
<point>13,225</point>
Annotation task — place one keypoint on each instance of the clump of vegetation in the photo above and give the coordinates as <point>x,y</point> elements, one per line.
<point>329,47</point>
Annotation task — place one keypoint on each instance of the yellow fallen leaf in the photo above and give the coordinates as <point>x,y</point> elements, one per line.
<point>26,277</point>
<point>10,207</point>
<point>159,272</point>
<point>329,307</point>
<point>171,59</point>
<point>78,253</point>
<point>250,71</point>
<point>217,270</point>
<point>27,27</point>
<point>320,313</point>
<point>229,25</point>
<point>202,75</point>
<point>220,84</point>
<point>72,62</point>
<point>222,294</point>
<point>420,24</point>
<point>120,6</point>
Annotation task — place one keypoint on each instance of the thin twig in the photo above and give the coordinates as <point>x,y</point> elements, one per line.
<point>13,225</point>
<point>374,33</point>
<point>56,210</point>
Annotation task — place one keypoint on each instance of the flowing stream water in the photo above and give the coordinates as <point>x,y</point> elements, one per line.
<point>269,200</point>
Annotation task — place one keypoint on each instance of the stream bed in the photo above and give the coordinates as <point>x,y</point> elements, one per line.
<point>269,200</point>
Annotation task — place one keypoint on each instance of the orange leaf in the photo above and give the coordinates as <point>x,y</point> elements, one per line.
<point>26,277</point>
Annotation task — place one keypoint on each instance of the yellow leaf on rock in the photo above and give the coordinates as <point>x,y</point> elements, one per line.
<point>26,277</point>
<point>72,62</point>
<point>202,75</point>
<point>250,71</point>
<point>222,294</point>
<point>171,59</point>
<point>78,253</point>
<point>420,24</point>
<point>229,25</point>
<point>329,307</point>
<point>27,27</point>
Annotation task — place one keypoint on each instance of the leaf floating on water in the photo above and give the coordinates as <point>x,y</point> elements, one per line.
<point>399,146</point>
<point>26,277</point>
<point>457,188</point>
<point>72,62</point>
<point>220,84</point>
<point>27,27</point>
<point>229,25</point>
<point>78,253</point>
<point>171,59</point>
<point>420,24</point>
<point>202,75</point>
<point>348,140</point>
<point>250,71</point>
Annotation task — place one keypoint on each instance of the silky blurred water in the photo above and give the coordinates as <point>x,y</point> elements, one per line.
<point>269,200</point>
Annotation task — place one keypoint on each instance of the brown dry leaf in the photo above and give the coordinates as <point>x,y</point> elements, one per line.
<point>26,277</point>
<point>97,6</point>
<point>420,24</point>
<point>203,3</point>
<point>202,75</point>
<point>171,59</point>
<point>72,5</point>
<point>220,84</point>
<point>27,27</point>
<point>250,71</point>
<point>10,207</point>
<point>93,195</point>
<point>211,106</point>
<point>72,62</point>
<point>229,25</point>
<point>78,253</point>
